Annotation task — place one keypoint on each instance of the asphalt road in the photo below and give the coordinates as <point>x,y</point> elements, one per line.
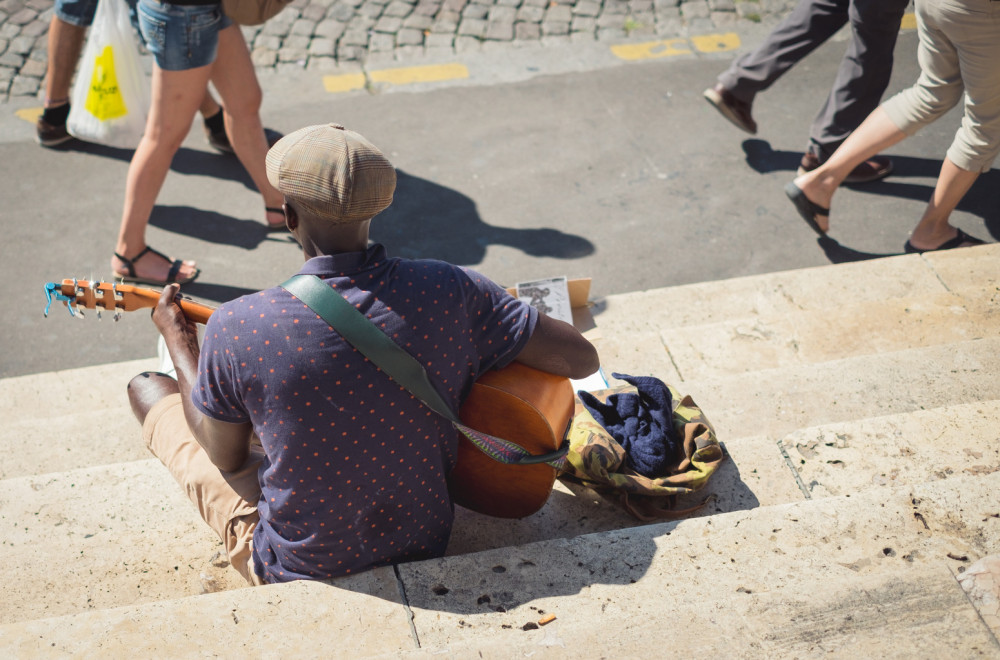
<point>557,161</point>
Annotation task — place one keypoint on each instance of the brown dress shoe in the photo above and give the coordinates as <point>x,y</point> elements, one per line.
<point>873,169</point>
<point>736,111</point>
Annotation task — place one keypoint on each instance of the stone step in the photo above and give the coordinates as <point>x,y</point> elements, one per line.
<point>102,537</point>
<point>59,393</point>
<point>806,289</point>
<point>922,446</point>
<point>868,575</point>
<point>640,332</point>
<point>126,534</point>
<point>775,402</point>
<point>100,428</point>
<point>720,349</point>
<point>67,442</point>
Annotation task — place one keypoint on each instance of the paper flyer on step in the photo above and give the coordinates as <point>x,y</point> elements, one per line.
<point>549,296</point>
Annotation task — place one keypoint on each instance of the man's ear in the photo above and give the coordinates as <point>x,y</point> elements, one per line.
<point>291,217</point>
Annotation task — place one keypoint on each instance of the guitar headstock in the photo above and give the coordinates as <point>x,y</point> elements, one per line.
<point>108,296</point>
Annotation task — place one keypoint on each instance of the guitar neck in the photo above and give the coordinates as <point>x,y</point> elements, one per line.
<point>118,298</point>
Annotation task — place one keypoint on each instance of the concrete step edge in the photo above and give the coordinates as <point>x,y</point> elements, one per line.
<point>754,581</point>
<point>816,288</point>
<point>786,338</point>
<point>57,393</point>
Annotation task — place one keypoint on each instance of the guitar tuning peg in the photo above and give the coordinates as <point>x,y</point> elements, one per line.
<point>79,313</point>
<point>98,315</point>
<point>118,316</point>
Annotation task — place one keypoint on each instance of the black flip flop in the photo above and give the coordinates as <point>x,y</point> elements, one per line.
<point>956,242</point>
<point>806,207</point>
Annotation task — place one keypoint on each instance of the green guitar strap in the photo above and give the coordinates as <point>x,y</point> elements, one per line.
<point>402,367</point>
<point>368,339</point>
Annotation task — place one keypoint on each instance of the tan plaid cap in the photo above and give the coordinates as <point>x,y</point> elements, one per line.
<point>331,172</point>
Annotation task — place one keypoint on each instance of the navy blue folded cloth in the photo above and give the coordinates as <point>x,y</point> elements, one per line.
<point>642,423</point>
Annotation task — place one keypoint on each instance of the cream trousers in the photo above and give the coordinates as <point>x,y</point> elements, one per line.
<point>959,56</point>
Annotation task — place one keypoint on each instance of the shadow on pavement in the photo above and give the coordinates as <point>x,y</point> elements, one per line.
<point>841,254</point>
<point>430,221</point>
<point>185,161</point>
<point>215,227</point>
<point>762,158</point>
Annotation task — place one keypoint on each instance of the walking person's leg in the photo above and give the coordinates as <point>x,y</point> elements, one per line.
<point>973,33</point>
<point>857,90</point>
<point>183,40</point>
<point>175,98</point>
<point>235,79</point>
<point>812,192</point>
<point>938,89</point>
<point>67,31</point>
<point>805,28</point>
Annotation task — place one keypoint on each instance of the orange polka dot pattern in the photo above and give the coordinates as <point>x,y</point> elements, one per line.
<point>355,470</point>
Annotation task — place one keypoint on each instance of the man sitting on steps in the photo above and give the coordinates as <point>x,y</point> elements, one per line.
<point>351,469</point>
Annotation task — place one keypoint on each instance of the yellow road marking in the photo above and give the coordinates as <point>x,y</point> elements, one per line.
<point>29,114</point>
<point>909,22</point>
<point>418,74</point>
<point>404,76</point>
<point>708,43</point>
<point>651,49</point>
<point>716,43</point>
<point>344,83</point>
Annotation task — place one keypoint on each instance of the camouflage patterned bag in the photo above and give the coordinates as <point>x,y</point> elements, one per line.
<point>597,460</point>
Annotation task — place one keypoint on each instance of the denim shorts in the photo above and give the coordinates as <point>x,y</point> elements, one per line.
<point>181,37</point>
<point>81,12</point>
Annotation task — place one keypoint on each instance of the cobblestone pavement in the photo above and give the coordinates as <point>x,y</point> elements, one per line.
<point>324,34</point>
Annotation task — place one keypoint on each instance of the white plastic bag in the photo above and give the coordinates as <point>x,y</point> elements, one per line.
<point>110,97</point>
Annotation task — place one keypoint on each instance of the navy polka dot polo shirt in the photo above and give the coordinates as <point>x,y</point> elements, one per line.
<point>355,470</point>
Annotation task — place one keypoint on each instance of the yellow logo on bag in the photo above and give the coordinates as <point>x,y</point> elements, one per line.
<point>104,100</point>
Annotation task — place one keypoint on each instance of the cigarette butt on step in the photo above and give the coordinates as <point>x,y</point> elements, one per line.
<point>548,618</point>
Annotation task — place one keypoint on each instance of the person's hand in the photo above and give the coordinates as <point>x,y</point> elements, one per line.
<point>170,320</point>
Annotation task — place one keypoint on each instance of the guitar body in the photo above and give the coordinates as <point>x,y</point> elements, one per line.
<point>523,405</point>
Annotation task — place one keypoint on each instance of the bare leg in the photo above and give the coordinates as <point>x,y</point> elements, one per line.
<point>875,134</point>
<point>176,96</point>
<point>236,81</point>
<point>147,389</point>
<point>65,42</point>
<point>933,229</point>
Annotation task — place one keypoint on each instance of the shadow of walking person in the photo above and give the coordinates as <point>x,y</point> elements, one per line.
<point>427,220</point>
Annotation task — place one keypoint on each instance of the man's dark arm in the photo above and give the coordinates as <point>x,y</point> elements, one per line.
<point>558,348</point>
<point>227,445</point>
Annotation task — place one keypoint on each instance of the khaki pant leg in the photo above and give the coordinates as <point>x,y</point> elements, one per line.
<point>227,501</point>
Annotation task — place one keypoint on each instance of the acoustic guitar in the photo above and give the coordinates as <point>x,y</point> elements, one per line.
<point>528,407</point>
